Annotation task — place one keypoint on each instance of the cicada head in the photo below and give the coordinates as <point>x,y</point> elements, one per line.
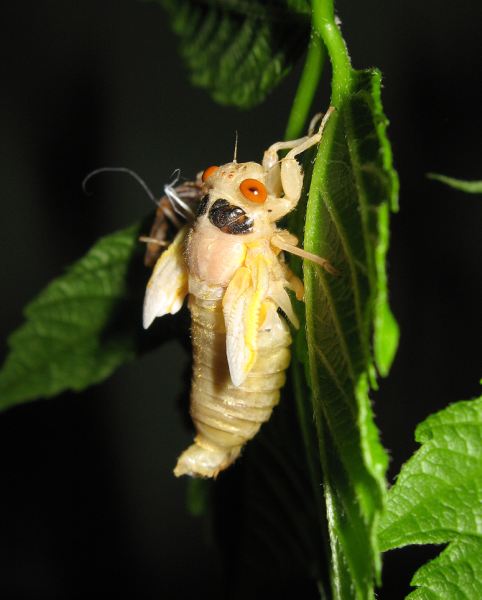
<point>237,199</point>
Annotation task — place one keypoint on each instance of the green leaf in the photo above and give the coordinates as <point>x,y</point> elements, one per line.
<point>81,327</point>
<point>349,324</point>
<point>471,187</point>
<point>454,574</point>
<point>438,499</point>
<point>239,50</point>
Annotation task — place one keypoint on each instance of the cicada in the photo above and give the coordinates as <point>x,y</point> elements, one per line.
<point>176,207</point>
<point>229,262</point>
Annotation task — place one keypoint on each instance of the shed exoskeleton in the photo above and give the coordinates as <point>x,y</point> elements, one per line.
<point>230,263</point>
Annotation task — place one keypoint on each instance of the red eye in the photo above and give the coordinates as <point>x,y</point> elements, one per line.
<point>209,171</point>
<point>253,190</point>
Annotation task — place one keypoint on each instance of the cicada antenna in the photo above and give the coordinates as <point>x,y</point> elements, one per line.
<point>130,172</point>
<point>235,157</point>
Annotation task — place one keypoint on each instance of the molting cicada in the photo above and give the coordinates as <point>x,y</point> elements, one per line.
<point>229,262</point>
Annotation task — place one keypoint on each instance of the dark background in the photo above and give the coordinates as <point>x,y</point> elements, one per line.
<point>88,503</point>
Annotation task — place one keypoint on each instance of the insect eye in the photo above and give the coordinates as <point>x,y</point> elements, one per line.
<point>253,190</point>
<point>209,171</point>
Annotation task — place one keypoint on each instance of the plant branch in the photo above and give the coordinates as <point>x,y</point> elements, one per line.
<point>324,23</point>
<point>307,87</point>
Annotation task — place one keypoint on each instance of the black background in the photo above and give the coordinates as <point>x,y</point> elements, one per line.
<point>88,504</point>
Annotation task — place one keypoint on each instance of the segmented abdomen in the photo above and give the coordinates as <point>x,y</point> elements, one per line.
<point>226,416</point>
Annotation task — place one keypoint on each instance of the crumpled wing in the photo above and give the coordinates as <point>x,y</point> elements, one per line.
<point>243,315</point>
<point>168,284</point>
<point>280,297</point>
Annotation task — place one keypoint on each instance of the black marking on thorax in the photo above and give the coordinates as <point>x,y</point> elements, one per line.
<point>202,206</point>
<point>229,218</point>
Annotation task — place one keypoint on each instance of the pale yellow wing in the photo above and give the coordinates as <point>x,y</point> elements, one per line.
<point>243,315</point>
<point>168,284</point>
<point>279,296</point>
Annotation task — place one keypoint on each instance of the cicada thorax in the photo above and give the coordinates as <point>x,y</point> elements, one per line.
<point>216,247</point>
<point>227,416</point>
<point>229,218</point>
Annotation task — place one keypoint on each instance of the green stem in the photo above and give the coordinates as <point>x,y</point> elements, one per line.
<point>325,37</point>
<point>324,23</point>
<point>307,87</point>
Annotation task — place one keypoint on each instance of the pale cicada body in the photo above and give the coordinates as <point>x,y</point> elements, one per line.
<point>230,263</point>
